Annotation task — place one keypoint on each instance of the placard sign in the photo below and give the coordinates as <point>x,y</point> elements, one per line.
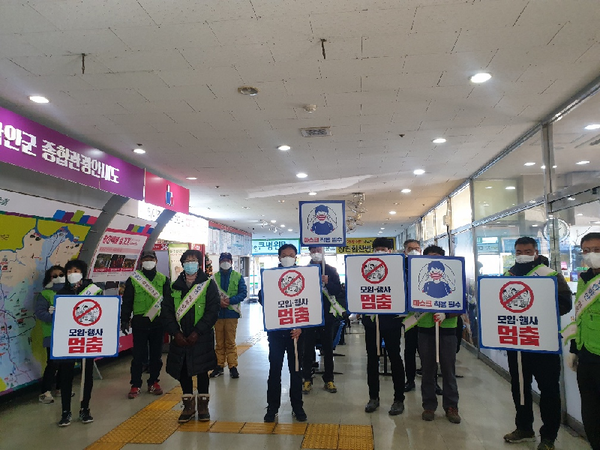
<point>375,284</point>
<point>292,297</point>
<point>436,284</point>
<point>85,326</point>
<point>323,223</point>
<point>519,313</point>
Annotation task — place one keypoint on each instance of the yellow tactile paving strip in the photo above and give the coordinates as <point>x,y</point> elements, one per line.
<point>155,423</point>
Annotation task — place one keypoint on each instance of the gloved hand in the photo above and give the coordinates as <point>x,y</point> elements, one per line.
<point>51,309</point>
<point>192,338</point>
<point>439,317</point>
<point>125,328</point>
<point>572,361</point>
<point>180,340</point>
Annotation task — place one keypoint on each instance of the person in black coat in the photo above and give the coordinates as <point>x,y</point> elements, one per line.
<point>189,313</point>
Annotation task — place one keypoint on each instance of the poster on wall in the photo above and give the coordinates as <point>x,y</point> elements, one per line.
<point>116,256</point>
<point>323,223</point>
<point>175,253</point>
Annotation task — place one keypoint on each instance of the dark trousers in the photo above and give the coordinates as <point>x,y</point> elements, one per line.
<point>447,366</point>
<point>67,371</point>
<point>49,377</point>
<point>588,379</point>
<point>310,336</point>
<point>278,346</point>
<point>147,348</point>
<point>410,353</point>
<point>187,384</point>
<point>392,347</point>
<point>546,370</point>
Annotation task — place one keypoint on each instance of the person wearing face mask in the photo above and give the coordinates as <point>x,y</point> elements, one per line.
<point>232,290</point>
<point>76,284</point>
<point>54,281</point>
<point>411,247</point>
<point>189,312</point>
<point>143,296</point>
<point>280,343</point>
<point>543,366</point>
<point>585,344</point>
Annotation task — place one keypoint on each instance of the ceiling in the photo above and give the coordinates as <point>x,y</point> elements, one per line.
<point>387,77</point>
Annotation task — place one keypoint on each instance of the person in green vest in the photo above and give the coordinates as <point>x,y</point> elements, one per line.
<point>545,367</point>
<point>143,295</point>
<point>189,313</point>
<point>585,344</point>
<point>232,290</point>
<point>54,281</point>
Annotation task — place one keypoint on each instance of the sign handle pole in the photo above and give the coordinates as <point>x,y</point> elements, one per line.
<point>82,379</point>
<point>521,383</point>
<point>296,362</point>
<point>437,342</point>
<point>377,335</point>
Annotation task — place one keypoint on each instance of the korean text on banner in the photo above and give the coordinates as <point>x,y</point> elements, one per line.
<point>292,297</point>
<point>436,284</point>
<point>375,284</point>
<point>323,223</point>
<point>519,313</point>
<point>117,255</point>
<point>85,326</point>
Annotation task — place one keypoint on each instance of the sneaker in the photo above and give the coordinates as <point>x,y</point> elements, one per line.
<point>299,414</point>
<point>155,388</point>
<point>372,405</point>
<point>520,436</point>
<point>306,387</point>
<point>546,444</point>
<point>65,419</point>
<point>270,416</point>
<point>428,415</point>
<point>46,398</point>
<point>330,387</point>
<point>410,386</point>
<point>85,416</point>
<point>397,408</point>
<point>234,372</point>
<point>217,371</point>
<point>452,415</point>
<point>134,392</point>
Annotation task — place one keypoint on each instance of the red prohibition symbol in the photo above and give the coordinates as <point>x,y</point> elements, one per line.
<point>516,296</point>
<point>374,270</point>
<point>87,312</point>
<point>291,283</point>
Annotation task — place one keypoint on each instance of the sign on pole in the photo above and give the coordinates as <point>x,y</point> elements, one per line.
<point>323,223</point>
<point>375,284</point>
<point>85,326</point>
<point>436,284</point>
<point>519,313</point>
<point>292,297</point>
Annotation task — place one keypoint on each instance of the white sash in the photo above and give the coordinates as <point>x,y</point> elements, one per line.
<point>336,309</point>
<point>92,289</point>
<point>411,320</point>
<point>542,271</point>
<point>587,297</point>
<point>151,290</point>
<point>190,299</point>
<point>235,308</point>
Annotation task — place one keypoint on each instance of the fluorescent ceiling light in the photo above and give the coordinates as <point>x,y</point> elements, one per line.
<point>301,175</point>
<point>481,77</point>
<point>593,126</point>
<point>392,212</point>
<point>405,191</point>
<point>284,147</point>
<point>38,99</point>
<point>510,188</point>
<point>273,221</point>
<point>289,229</point>
<point>139,151</point>
<point>531,163</point>
<point>191,178</point>
<point>488,187</point>
<point>581,163</point>
<point>418,171</point>
<point>439,140</point>
<point>312,193</point>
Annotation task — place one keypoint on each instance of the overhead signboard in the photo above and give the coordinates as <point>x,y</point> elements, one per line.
<point>323,223</point>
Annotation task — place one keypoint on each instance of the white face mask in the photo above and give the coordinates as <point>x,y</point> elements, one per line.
<point>592,260</point>
<point>225,265</point>
<point>288,261</point>
<point>148,265</point>
<point>317,257</point>
<point>58,280</point>
<point>414,252</point>
<point>524,259</point>
<point>75,278</point>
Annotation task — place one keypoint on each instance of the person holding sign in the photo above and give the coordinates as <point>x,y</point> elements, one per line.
<point>144,292</point>
<point>411,247</point>
<point>76,285</point>
<point>545,367</point>
<point>189,313</point>
<point>585,334</point>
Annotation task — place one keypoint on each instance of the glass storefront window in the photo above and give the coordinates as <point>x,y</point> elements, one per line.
<point>440,212</point>
<point>428,225</point>
<point>463,246</point>
<point>461,208</point>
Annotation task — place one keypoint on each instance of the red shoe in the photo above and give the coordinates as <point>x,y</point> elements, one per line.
<point>134,392</point>
<point>155,389</point>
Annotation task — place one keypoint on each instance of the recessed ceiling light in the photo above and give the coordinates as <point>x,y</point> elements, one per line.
<point>191,178</point>
<point>312,193</point>
<point>580,214</point>
<point>405,191</point>
<point>289,229</point>
<point>284,148</point>
<point>418,171</point>
<point>281,201</point>
<point>439,140</point>
<point>554,167</point>
<point>529,164</point>
<point>571,199</point>
<point>139,151</point>
<point>480,77</point>
<point>248,90</point>
<point>488,187</point>
<point>392,212</point>
<point>273,221</point>
<point>597,222</point>
<point>593,126</point>
<point>301,175</point>
<point>510,188</point>
<point>581,163</point>
<point>382,228</point>
<point>534,225</point>
<point>38,99</point>
<point>282,226</point>
<point>543,167</point>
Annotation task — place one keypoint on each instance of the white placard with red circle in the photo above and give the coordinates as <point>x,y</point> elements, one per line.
<point>519,313</point>
<point>292,297</point>
<point>375,284</point>
<point>85,326</point>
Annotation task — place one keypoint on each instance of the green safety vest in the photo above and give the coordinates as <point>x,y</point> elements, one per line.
<point>142,300</point>
<point>48,294</point>
<point>426,321</point>
<point>199,304</point>
<point>540,271</point>
<point>588,322</point>
<point>232,289</point>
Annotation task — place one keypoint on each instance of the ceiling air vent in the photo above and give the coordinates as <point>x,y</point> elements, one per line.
<point>316,131</point>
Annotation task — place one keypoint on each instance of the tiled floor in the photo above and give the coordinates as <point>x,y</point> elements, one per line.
<point>485,406</point>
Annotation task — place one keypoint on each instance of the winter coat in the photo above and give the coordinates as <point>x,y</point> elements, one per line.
<point>200,357</point>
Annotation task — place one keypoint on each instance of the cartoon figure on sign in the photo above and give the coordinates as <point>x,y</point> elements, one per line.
<point>291,283</point>
<point>87,312</point>
<point>437,280</point>
<point>322,220</point>
<point>516,297</point>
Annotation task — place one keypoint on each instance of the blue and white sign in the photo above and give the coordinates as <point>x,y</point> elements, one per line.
<point>323,223</point>
<point>436,284</point>
<point>271,246</point>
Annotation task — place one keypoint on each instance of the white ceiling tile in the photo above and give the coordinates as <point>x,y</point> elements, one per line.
<point>258,31</point>
<point>362,23</point>
<point>132,60</point>
<point>197,11</point>
<point>227,55</point>
<point>59,64</point>
<point>252,73</point>
<point>404,80</point>
<point>76,42</point>
<point>306,86</point>
<point>18,45</point>
<point>540,12</point>
<point>122,80</point>
<point>29,18</point>
<point>192,96</point>
<point>364,66</point>
<point>463,62</point>
<point>507,37</point>
<point>401,44</point>
<point>166,36</point>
